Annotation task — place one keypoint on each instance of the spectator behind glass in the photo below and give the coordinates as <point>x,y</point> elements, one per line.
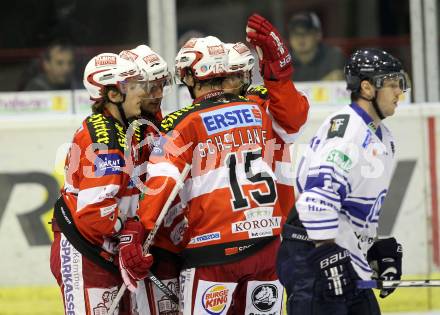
<point>56,71</point>
<point>313,60</point>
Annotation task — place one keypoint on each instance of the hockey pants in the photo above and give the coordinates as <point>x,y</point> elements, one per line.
<point>298,278</point>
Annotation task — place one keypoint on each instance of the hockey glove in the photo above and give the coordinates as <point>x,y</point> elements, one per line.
<point>133,264</point>
<point>335,274</point>
<point>385,258</point>
<point>275,59</point>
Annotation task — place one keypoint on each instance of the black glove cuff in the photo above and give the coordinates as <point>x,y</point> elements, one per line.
<point>387,247</point>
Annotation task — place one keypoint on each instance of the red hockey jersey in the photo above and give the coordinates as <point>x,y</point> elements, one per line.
<point>231,194</point>
<point>98,189</point>
<point>288,110</point>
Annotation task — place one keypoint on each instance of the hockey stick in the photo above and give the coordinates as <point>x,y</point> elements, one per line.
<point>149,240</point>
<point>162,286</point>
<point>389,284</point>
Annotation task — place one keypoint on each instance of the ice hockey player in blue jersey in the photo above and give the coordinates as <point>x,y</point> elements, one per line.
<point>329,240</point>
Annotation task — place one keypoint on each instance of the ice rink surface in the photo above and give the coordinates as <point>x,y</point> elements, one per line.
<point>415,313</point>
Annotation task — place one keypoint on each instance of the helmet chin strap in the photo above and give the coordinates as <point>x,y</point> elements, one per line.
<point>245,86</point>
<point>190,88</point>
<point>375,105</point>
<point>244,89</point>
<point>122,111</point>
<point>191,91</point>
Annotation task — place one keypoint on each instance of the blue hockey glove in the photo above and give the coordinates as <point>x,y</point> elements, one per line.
<point>335,272</point>
<point>385,258</point>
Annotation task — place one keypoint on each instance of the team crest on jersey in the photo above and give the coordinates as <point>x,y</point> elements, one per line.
<point>224,119</point>
<point>338,125</point>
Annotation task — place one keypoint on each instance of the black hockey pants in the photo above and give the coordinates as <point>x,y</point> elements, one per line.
<point>298,278</point>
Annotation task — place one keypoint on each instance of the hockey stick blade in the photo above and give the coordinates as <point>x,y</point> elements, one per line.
<point>389,284</point>
<point>149,240</point>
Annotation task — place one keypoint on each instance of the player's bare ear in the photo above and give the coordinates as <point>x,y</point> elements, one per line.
<point>367,89</point>
<point>114,96</point>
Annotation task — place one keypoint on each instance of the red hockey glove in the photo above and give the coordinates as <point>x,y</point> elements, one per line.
<point>275,59</point>
<point>133,264</point>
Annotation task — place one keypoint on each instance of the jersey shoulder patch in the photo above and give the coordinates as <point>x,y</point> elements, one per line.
<point>338,126</point>
<point>106,131</point>
<point>171,120</point>
<point>259,91</point>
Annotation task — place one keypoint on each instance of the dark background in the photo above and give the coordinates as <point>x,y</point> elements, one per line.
<point>28,26</point>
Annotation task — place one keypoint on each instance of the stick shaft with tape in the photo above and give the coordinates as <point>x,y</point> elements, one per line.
<point>389,284</point>
<point>152,234</point>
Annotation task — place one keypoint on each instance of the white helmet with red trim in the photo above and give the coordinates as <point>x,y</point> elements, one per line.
<point>240,58</point>
<point>151,64</point>
<point>107,69</point>
<point>153,69</point>
<point>205,58</point>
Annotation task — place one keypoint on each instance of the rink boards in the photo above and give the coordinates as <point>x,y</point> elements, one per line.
<point>31,168</point>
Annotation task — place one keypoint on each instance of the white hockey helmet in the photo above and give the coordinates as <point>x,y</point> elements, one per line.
<point>151,64</point>
<point>240,58</point>
<point>153,68</point>
<point>204,57</point>
<point>107,69</point>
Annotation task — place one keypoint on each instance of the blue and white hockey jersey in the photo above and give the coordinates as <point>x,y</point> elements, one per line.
<point>343,178</point>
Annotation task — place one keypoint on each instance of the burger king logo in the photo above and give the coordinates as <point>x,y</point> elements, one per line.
<point>215,299</point>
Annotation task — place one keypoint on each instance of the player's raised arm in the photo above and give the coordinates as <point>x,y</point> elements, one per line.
<point>288,107</point>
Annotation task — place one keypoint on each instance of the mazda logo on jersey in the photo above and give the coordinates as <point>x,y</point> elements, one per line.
<point>264,297</point>
<point>231,117</point>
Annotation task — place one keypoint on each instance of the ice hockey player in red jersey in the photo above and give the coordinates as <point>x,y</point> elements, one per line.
<point>167,265</point>
<point>233,210</point>
<point>99,199</point>
<point>285,105</point>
